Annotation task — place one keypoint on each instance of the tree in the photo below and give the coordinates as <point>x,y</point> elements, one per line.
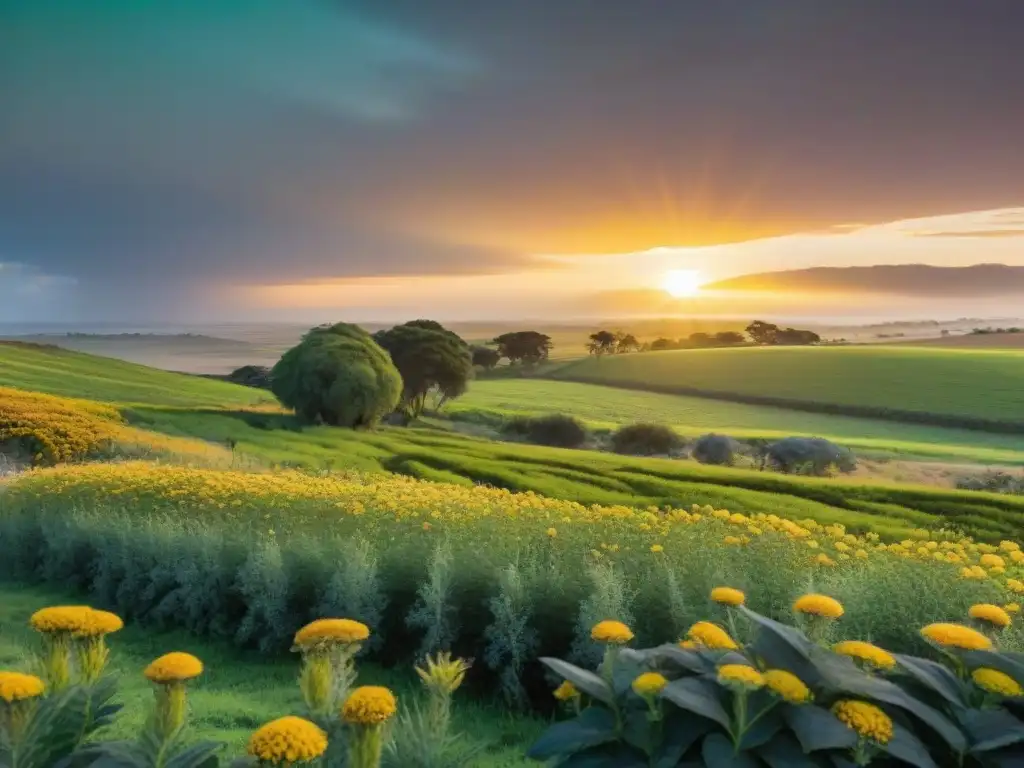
<point>337,375</point>
<point>761,332</point>
<point>485,357</point>
<point>602,343</point>
<point>729,338</point>
<point>662,343</point>
<point>430,358</point>
<point>701,339</point>
<point>795,336</point>
<point>626,342</point>
<point>528,347</point>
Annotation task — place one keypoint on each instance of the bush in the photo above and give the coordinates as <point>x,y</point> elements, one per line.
<point>765,693</point>
<point>993,481</point>
<point>646,440</point>
<point>337,375</point>
<point>556,430</point>
<point>809,455</point>
<point>257,376</point>
<point>716,449</point>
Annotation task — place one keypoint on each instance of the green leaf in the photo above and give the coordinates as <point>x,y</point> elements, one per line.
<point>718,752</point>
<point>691,661</point>
<point>682,731</point>
<point>991,729</point>
<point>594,726</point>
<point>202,755</point>
<point>607,756</point>
<point>1006,758</point>
<point>702,697</point>
<point>817,728</point>
<point>625,672</point>
<point>785,752</point>
<point>1011,664</point>
<point>905,746</point>
<point>934,676</point>
<point>586,682</point>
<point>780,646</point>
<point>860,683</point>
<point>765,728</point>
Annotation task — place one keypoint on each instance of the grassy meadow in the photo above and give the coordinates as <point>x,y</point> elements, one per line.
<point>946,385</point>
<point>237,691</point>
<point>607,407</point>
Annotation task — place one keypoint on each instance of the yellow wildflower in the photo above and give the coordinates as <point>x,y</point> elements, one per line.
<point>866,719</point>
<point>552,533</point>
<point>656,548</point>
<point>992,561</point>
<point>288,740</point>
<point>819,605</point>
<point>741,675</point>
<point>16,686</point>
<point>173,667</point>
<point>994,681</point>
<point>566,692</point>
<point>442,673</point>
<point>990,614</point>
<point>787,686</point>
<point>727,596</point>
<point>369,705</point>
<point>93,623</point>
<point>325,632</point>
<point>59,618</point>
<point>866,652</point>
<point>711,636</point>
<point>956,636</point>
<point>611,632</point>
<point>1012,608</point>
<point>649,684</point>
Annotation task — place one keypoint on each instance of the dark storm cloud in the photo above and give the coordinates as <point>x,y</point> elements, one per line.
<point>226,141</point>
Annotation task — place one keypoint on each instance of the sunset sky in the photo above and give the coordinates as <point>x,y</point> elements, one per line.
<point>258,159</point>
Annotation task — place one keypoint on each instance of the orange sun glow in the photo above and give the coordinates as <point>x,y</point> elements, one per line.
<point>682,282</point>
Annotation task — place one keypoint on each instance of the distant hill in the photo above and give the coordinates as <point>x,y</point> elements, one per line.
<point>904,279</point>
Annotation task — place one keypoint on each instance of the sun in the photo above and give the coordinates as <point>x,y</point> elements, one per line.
<point>682,282</point>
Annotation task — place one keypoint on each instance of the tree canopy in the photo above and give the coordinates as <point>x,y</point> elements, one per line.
<point>602,343</point>
<point>486,357</point>
<point>429,358</point>
<point>769,333</point>
<point>338,375</point>
<point>529,347</point>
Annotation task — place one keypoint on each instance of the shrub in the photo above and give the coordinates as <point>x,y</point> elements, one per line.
<point>338,375</point>
<point>257,376</point>
<point>993,481</point>
<point>715,449</point>
<point>556,430</point>
<point>429,359</point>
<point>786,698</point>
<point>809,455</point>
<point>646,440</point>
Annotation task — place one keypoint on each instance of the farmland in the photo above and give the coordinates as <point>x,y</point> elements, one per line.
<point>949,387</point>
<point>609,407</point>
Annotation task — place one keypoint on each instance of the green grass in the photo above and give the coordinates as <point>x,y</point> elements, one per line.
<point>592,477</point>
<point>609,407</point>
<point>964,383</point>
<point>237,692</point>
<point>74,374</point>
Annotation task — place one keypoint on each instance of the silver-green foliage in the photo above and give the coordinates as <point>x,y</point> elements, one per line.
<point>511,640</point>
<point>354,589</point>
<point>434,611</point>
<point>610,598</point>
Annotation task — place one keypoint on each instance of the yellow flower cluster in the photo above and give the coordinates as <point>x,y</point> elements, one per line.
<point>173,667</point>
<point>958,636</point>
<point>989,614</point>
<point>611,632</point>
<point>787,686</point>
<point>325,632</point>
<point>866,652</point>
<point>369,705</point>
<point>994,681</point>
<point>649,684</point>
<point>866,719</point>
<point>442,673</point>
<point>727,596</point>
<point>75,620</point>
<point>15,686</point>
<point>740,675</point>
<point>288,740</point>
<point>566,692</point>
<point>711,636</point>
<point>819,605</point>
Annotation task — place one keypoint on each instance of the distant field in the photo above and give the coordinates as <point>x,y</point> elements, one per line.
<point>973,341</point>
<point>939,384</point>
<point>74,374</point>
<point>604,406</point>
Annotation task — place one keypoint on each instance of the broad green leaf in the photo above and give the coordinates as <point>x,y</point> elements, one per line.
<point>1012,757</point>
<point>782,647</point>
<point>607,756</point>
<point>594,726</point>
<point>702,697</point>
<point>859,683</point>
<point>764,729</point>
<point>718,752</point>
<point>585,681</point>
<point>905,746</point>
<point>816,728</point>
<point>784,752</point>
<point>681,731</point>
<point>625,672</point>
<point>1011,664</point>
<point>991,729</point>
<point>202,755</point>
<point>934,676</point>
<point>669,656</point>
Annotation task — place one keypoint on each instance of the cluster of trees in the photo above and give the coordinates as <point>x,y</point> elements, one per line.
<point>518,347</point>
<point>700,340</point>
<point>342,376</point>
<point>606,342</point>
<point>612,343</point>
<point>767,334</point>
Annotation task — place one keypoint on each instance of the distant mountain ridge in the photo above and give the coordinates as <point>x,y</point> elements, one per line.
<point>902,279</point>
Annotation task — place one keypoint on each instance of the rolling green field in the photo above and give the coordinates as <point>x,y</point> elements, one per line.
<point>238,691</point>
<point>608,407</point>
<point>74,374</point>
<point>971,384</point>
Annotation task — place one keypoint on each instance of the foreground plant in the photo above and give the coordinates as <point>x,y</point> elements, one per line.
<point>366,710</point>
<point>785,699</point>
<point>288,741</point>
<point>328,648</point>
